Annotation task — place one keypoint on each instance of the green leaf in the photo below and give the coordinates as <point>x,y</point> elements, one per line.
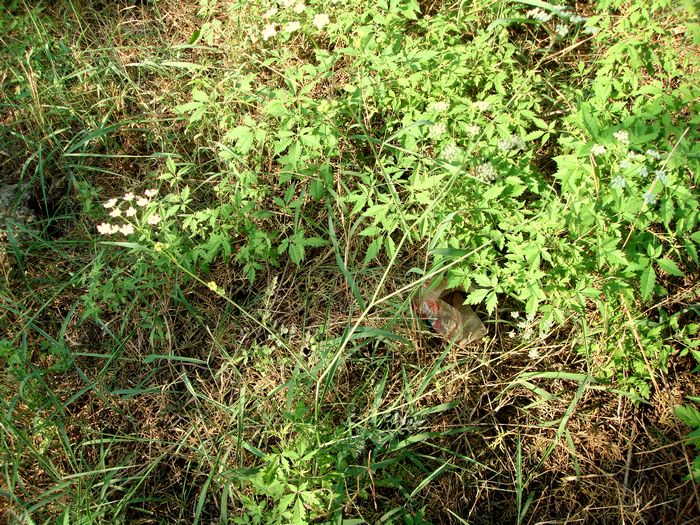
<point>493,192</point>
<point>477,296</point>
<point>670,266</point>
<point>647,282</point>
<point>688,415</point>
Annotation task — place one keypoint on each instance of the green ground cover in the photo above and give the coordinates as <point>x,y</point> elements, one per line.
<point>215,218</point>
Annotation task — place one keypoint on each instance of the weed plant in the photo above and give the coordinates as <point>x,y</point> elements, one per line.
<point>208,318</point>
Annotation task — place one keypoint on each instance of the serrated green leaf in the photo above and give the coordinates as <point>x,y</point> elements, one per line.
<point>688,415</point>
<point>477,296</point>
<point>647,282</point>
<point>670,266</point>
<point>491,302</point>
<point>493,192</point>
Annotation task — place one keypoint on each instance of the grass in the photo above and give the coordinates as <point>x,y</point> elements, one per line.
<point>254,357</point>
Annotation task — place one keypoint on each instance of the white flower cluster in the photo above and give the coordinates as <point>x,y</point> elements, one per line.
<point>129,200</point>
<point>486,172</point>
<point>320,20</point>
<point>439,107</point>
<point>437,130</point>
<point>450,152</point>
<point>539,14</point>
<point>512,143</point>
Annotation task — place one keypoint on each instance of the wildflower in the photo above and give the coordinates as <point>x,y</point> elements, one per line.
<point>270,12</point>
<point>111,203</point>
<point>649,198</point>
<point>128,197</point>
<point>127,229</point>
<point>539,15</point>
<point>528,333</point>
<point>439,107</point>
<point>512,334</point>
<point>482,105</point>
<point>619,182</point>
<point>116,212</point>
<point>625,164</point>
<point>269,31</point>
<point>486,172</point>
<point>547,325</point>
<point>291,27</point>
<point>622,136</point>
<point>534,353</point>
<point>515,315</point>
<point>590,30</point>
<point>151,193</point>
<point>512,143</point>
<point>153,219</point>
<point>437,130</point>
<point>643,171</point>
<point>299,8</point>
<point>321,20</point>
<point>654,154</point>
<point>130,212</point>
<point>598,150</point>
<point>631,155</point>
<point>104,228</point>
<point>562,30</point>
<point>286,3</point>
<point>473,130</point>
<point>141,201</point>
<point>212,286</point>
<point>158,247</point>
<point>661,177</point>
<point>577,19</point>
<point>450,152</point>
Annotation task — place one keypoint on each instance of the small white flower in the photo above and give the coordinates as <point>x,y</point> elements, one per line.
<point>286,3</point>
<point>436,130</point>
<point>577,19</point>
<point>104,228</point>
<point>151,193</point>
<point>562,30</point>
<point>625,164</point>
<point>649,198</point>
<point>321,20</point>
<point>598,150</point>
<point>590,30</point>
<point>111,203</point>
<point>439,107</point>
<point>643,171</point>
<point>486,172</point>
<point>631,155</point>
<point>141,201</point>
<point>291,27</point>
<point>512,143</point>
<point>153,219</point>
<point>539,15</point>
<point>450,152</point>
<point>270,12</point>
<point>127,229</point>
<point>473,130</point>
<point>623,136</point>
<point>619,182</point>
<point>130,212</point>
<point>512,334</point>
<point>299,8</point>
<point>661,177</point>
<point>268,31</point>
<point>482,105</point>
<point>128,197</point>
<point>116,212</point>
<point>534,353</point>
<point>515,315</point>
<point>654,154</point>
